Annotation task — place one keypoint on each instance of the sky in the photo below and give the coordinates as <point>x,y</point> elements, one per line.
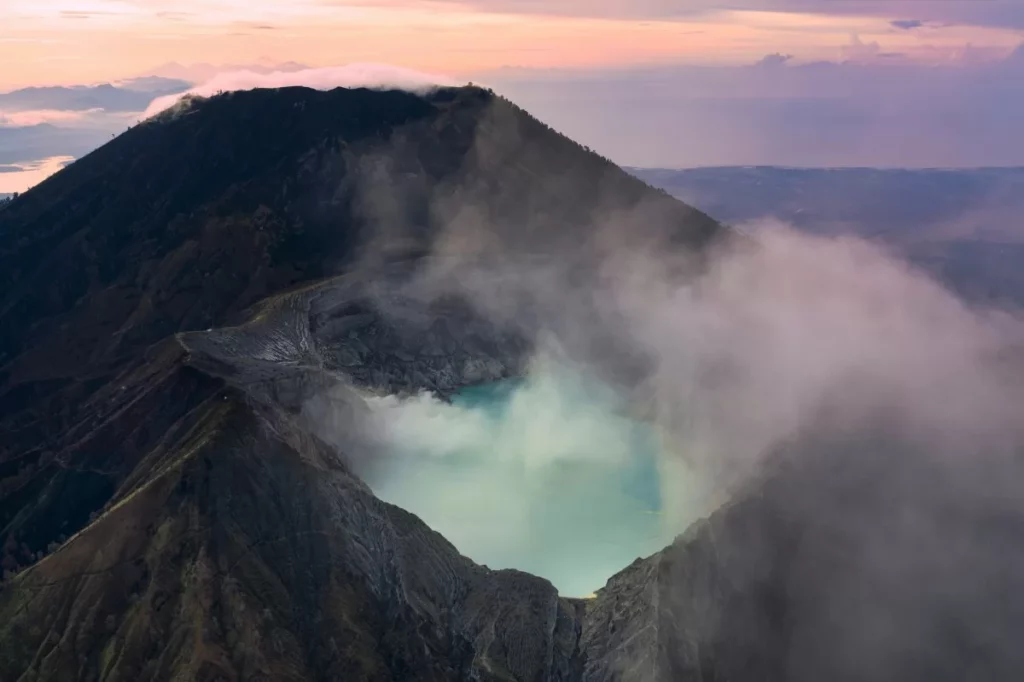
<point>673,83</point>
<point>80,41</point>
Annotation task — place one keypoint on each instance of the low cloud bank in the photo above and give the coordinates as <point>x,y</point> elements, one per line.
<point>17,119</point>
<point>17,177</point>
<point>358,75</point>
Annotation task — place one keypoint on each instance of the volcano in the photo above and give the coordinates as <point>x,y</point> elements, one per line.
<point>172,301</point>
<point>186,316</point>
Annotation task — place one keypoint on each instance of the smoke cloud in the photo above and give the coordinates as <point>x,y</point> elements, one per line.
<point>743,357</point>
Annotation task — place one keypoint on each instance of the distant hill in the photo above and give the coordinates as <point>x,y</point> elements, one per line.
<point>126,97</point>
<point>966,226</point>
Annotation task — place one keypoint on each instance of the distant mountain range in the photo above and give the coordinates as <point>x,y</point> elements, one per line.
<point>127,96</point>
<point>964,225</point>
<point>47,122</point>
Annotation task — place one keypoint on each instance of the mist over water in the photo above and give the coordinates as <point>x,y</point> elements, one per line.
<point>545,474</point>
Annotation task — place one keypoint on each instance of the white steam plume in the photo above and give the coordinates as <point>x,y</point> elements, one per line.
<point>356,75</point>
<point>551,478</point>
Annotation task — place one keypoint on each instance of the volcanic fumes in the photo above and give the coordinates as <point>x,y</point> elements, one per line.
<point>547,474</point>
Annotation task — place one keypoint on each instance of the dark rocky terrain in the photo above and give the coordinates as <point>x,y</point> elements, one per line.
<point>182,307</point>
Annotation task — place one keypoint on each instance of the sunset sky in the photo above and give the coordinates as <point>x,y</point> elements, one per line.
<point>667,83</point>
<point>82,41</point>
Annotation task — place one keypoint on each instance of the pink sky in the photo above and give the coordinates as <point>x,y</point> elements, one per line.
<point>836,82</point>
<point>83,41</point>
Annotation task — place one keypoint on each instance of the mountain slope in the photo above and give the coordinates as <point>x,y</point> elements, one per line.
<point>168,508</point>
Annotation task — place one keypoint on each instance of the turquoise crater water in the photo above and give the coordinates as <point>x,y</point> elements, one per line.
<point>543,474</point>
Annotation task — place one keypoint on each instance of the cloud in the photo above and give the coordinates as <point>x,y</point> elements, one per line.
<point>17,119</point>
<point>869,111</point>
<point>153,85</point>
<point>774,59</point>
<point>77,14</point>
<point>906,24</point>
<point>176,16</point>
<point>995,13</point>
<point>1016,58</point>
<point>362,75</point>
<point>18,177</point>
<point>195,74</point>
<point>1005,13</point>
<point>858,50</point>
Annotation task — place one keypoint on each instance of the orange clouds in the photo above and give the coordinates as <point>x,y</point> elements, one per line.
<point>68,41</point>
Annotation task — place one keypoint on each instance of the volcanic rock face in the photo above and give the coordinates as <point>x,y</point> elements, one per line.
<point>172,503</point>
